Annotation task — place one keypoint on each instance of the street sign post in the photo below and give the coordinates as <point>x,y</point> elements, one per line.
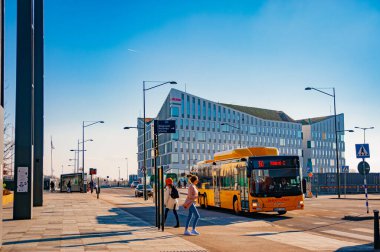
<point>345,170</point>
<point>160,127</point>
<point>363,168</point>
<point>362,150</point>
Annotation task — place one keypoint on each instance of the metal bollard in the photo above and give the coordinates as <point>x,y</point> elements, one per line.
<point>376,238</point>
<point>97,190</point>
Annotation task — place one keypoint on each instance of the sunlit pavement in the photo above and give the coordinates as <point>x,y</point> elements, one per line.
<point>80,222</point>
<point>326,224</point>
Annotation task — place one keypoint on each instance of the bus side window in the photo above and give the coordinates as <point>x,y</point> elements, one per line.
<point>236,179</point>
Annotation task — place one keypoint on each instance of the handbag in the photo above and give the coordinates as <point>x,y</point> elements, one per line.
<point>187,204</point>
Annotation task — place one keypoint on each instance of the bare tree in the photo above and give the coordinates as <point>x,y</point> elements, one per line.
<point>9,145</point>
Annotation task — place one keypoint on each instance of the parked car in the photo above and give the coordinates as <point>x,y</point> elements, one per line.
<point>134,184</point>
<point>139,191</point>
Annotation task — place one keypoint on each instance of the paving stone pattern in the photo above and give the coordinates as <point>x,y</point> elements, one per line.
<point>80,222</point>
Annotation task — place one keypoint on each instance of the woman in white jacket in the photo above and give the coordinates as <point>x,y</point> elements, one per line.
<point>170,203</point>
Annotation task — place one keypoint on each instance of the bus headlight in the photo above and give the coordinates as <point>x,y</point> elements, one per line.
<point>300,204</point>
<point>255,204</point>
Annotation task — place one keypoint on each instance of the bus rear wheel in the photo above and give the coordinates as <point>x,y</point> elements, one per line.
<point>235,204</point>
<point>204,201</point>
<point>281,212</point>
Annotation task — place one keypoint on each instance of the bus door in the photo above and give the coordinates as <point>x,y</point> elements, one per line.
<point>243,185</point>
<point>216,183</point>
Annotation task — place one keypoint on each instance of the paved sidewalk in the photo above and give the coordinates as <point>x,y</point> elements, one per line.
<point>80,222</point>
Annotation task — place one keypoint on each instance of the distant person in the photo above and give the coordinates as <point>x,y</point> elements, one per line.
<point>192,196</point>
<point>184,183</point>
<point>171,200</point>
<point>69,186</point>
<point>92,186</point>
<point>52,186</point>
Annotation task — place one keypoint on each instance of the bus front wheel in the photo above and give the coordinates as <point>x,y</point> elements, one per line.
<point>281,212</point>
<point>235,204</point>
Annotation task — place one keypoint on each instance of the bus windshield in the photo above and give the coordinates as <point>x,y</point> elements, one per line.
<point>275,176</point>
<point>275,182</point>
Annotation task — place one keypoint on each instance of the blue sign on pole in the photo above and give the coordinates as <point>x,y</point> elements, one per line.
<point>362,150</point>
<point>309,167</point>
<point>345,169</point>
<point>164,126</point>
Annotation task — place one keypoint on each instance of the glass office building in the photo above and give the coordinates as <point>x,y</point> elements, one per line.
<point>205,127</point>
<point>319,147</point>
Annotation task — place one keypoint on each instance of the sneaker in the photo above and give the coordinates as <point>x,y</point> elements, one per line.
<point>187,232</point>
<point>194,232</point>
<point>176,226</point>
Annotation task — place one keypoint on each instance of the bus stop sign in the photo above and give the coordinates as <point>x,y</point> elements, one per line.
<point>363,168</point>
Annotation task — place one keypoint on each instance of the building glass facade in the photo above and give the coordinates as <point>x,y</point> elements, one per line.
<point>205,127</point>
<point>319,143</point>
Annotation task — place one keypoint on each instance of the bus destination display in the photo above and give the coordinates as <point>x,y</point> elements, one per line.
<point>274,162</point>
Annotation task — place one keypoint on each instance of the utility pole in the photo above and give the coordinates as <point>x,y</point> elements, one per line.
<point>51,156</point>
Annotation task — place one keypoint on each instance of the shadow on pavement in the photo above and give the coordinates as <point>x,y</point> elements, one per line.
<point>272,233</point>
<point>362,247</point>
<point>357,218</point>
<point>121,218</point>
<point>147,213</point>
<point>73,237</point>
<point>118,242</point>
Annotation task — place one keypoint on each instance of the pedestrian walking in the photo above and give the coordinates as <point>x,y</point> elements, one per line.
<point>52,185</point>
<point>192,196</point>
<point>171,200</point>
<point>92,186</point>
<point>69,186</point>
<point>184,183</point>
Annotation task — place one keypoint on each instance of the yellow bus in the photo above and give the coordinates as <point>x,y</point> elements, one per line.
<point>254,179</point>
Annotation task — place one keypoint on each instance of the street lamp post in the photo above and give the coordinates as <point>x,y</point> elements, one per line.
<point>127,128</point>
<point>336,133</point>
<point>364,129</point>
<point>127,170</point>
<point>239,128</point>
<point>84,126</point>
<point>345,173</point>
<point>144,144</point>
<point>75,160</point>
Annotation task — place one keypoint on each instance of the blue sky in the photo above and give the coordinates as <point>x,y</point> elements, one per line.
<point>254,53</point>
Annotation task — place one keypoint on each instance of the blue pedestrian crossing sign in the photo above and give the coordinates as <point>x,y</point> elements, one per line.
<point>345,169</point>
<point>362,150</point>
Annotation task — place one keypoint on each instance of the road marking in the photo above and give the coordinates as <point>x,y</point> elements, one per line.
<point>364,230</point>
<point>320,223</point>
<point>293,212</point>
<point>304,240</point>
<point>349,235</point>
<point>311,215</point>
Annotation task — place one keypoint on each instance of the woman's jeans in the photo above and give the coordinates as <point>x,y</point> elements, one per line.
<point>192,211</point>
